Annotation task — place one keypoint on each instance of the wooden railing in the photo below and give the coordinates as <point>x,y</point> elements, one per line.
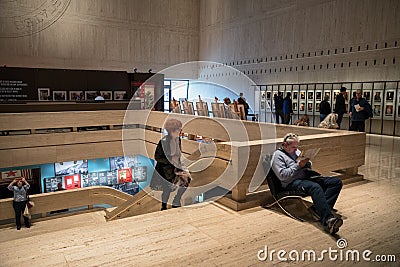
<point>239,145</point>
<point>67,199</point>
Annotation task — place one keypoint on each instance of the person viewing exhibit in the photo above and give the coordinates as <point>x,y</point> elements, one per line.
<point>329,122</point>
<point>340,105</point>
<point>278,100</point>
<point>287,108</point>
<point>303,121</point>
<point>360,111</point>
<point>242,100</point>
<point>324,108</point>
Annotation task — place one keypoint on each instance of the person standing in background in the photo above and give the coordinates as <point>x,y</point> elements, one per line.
<point>360,110</point>
<point>287,108</point>
<point>278,100</point>
<point>242,100</point>
<point>324,108</point>
<point>20,199</point>
<point>340,105</point>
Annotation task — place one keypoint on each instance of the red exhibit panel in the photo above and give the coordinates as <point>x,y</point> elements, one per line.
<point>124,176</point>
<point>72,181</point>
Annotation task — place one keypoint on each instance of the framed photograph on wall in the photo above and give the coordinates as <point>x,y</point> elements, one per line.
<point>59,95</point>
<point>377,110</point>
<point>44,94</point>
<point>367,95</point>
<point>389,96</point>
<point>310,107</point>
<point>302,95</point>
<point>295,95</point>
<point>335,94</point>
<point>262,93</point>
<point>262,106</point>
<point>377,97</point>
<point>318,95</point>
<point>106,94</point>
<point>317,107</point>
<point>302,106</point>
<point>268,95</point>
<point>310,96</point>
<point>389,110</point>
<point>294,106</point>
<point>90,95</point>
<point>120,95</point>
<point>76,95</point>
<point>327,93</point>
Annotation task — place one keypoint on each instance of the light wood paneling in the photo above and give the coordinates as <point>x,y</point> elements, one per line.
<point>237,166</point>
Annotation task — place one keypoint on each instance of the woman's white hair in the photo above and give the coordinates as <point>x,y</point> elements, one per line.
<point>329,122</point>
<point>290,138</point>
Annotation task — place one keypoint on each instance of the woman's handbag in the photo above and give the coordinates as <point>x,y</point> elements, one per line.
<point>26,212</point>
<point>29,203</point>
<point>182,178</point>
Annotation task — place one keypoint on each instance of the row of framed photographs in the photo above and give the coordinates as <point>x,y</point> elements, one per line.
<point>45,94</point>
<point>302,95</point>
<point>310,107</point>
<point>382,102</point>
<point>389,97</point>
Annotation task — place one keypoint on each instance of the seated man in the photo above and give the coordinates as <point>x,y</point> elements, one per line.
<point>294,175</point>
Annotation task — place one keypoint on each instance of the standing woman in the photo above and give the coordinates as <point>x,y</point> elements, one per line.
<point>287,108</point>
<point>168,157</point>
<point>324,108</point>
<point>20,200</point>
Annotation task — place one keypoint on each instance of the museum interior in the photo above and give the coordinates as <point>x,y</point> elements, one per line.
<point>88,89</point>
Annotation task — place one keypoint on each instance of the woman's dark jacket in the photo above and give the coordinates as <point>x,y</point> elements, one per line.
<point>164,167</point>
<point>340,105</point>
<point>325,107</point>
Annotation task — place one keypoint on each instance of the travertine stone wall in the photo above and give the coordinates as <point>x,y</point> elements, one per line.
<point>101,34</point>
<point>287,41</point>
<point>297,41</point>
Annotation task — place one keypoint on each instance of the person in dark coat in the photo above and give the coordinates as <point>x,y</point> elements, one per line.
<point>360,110</point>
<point>340,105</point>
<point>278,100</point>
<point>287,108</point>
<point>168,157</point>
<point>324,108</point>
<point>241,100</point>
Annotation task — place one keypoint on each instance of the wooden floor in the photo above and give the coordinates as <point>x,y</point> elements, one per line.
<point>208,234</point>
